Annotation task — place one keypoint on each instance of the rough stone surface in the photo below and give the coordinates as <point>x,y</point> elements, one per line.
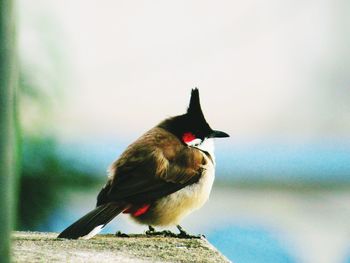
<point>45,247</point>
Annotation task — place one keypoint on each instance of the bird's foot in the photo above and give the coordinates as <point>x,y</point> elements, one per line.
<point>184,234</point>
<point>120,234</point>
<point>165,233</point>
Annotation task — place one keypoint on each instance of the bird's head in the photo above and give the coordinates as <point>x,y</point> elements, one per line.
<point>192,128</point>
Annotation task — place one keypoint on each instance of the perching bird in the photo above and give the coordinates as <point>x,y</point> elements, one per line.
<point>160,178</point>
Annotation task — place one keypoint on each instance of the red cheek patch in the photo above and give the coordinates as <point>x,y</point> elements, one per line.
<point>188,137</point>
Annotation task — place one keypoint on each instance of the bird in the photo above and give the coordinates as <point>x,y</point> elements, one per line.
<point>160,178</point>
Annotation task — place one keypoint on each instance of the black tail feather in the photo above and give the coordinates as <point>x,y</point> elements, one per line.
<point>100,216</point>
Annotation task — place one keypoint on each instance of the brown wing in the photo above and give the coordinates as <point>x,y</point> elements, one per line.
<point>155,165</point>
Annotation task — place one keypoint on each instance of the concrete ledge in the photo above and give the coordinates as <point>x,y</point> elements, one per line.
<point>44,247</point>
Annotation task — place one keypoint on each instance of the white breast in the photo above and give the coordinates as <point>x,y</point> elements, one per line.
<point>172,208</point>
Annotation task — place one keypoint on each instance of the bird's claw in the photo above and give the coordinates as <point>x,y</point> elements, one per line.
<point>166,233</point>
<point>120,234</point>
<point>188,236</point>
<point>184,234</point>
<point>152,232</point>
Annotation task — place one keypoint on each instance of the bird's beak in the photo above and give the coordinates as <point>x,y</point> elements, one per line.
<point>218,134</point>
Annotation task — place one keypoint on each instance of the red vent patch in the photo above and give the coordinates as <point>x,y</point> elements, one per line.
<point>137,211</point>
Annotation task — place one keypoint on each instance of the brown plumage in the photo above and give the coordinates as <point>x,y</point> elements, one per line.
<point>157,164</point>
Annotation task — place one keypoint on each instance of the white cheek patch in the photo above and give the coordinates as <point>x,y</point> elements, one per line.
<point>208,146</point>
<point>194,142</point>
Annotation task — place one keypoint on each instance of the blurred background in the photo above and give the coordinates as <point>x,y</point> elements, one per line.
<point>95,75</point>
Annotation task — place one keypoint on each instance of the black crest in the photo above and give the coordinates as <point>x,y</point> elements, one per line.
<point>194,110</point>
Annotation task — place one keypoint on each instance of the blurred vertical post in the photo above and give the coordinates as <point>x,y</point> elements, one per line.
<point>8,83</point>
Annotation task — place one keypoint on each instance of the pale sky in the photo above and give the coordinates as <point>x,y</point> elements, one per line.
<point>265,69</point>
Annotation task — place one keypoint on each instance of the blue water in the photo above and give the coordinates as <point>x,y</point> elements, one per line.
<point>250,244</point>
<point>347,260</point>
<point>311,161</point>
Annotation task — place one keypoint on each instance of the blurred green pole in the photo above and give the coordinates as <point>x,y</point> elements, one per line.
<point>8,86</point>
